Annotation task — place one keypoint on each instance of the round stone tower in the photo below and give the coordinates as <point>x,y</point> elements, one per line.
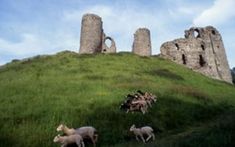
<point>142,42</point>
<point>91,34</point>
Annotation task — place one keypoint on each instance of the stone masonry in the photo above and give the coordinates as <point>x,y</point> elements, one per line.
<point>142,42</point>
<point>202,50</point>
<point>92,38</point>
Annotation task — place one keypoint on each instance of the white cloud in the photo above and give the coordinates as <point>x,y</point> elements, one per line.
<point>31,45</point>
<point>184,11</point>
<point>219,13</point>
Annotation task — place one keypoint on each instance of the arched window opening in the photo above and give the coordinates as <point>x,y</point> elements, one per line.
<point>196,33</point>
<point>201,61</point>
<point>203,47</point>
<point>108,42</point>
<point>213,32</point>
<point>184,59</point>
<point>177,46</point>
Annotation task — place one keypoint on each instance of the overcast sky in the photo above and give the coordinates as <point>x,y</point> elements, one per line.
<point>32,27</point>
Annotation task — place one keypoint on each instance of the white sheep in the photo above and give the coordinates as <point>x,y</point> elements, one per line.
<point>65,140</point>
<point>142,131</point>
<point>142,104</point>
<point>85,132</point>
<point>65,129</point>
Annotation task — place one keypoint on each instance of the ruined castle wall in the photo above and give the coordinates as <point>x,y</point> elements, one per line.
<point>142,42</point>
<point>107,49</point>
<point>91,34</point>
<point>201,50</point>
<point>219,54</point>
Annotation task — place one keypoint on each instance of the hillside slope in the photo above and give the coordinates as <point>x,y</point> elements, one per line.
<point>38,94</point>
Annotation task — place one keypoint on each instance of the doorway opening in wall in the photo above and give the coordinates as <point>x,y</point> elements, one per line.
<point>184,59</point>
<point>196,33</point>
<point>177,46</point>
<point>213,32</point>
<point>203,47</point>
<point>201,61</point>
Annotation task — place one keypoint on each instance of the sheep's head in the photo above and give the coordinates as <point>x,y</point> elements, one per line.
<point>132,127</point>
<point>60,127</point>
<point>56,139</point>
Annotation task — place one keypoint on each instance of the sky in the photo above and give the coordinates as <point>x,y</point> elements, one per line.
<point>37,27</point>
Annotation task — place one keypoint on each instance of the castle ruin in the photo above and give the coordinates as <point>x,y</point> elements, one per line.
<point>142,42</point>
<point>93,38</point>
<point>202,50</point>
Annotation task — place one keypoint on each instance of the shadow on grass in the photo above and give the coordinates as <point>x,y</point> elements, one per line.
<point>6,141</point>
<point>166,74</point>
<point>221,132</point>
<point>168,114</point>
<point>192,92</point>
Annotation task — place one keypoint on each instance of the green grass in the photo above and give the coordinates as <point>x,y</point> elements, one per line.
<point>38,94</point>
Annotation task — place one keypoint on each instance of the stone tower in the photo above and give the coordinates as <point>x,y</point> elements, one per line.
<point>92,38</point>
<point>142,42</point>
<point>201,50</point>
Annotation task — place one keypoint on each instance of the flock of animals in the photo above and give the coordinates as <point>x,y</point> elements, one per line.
<point>139,101</point>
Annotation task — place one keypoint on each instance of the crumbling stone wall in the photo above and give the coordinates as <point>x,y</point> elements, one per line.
<point>202,50</point>
<point>107,49</point>
<point>142,42</point>
<point>92,38</point>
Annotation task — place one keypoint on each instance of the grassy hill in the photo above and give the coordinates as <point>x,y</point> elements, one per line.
<point>38,94</point>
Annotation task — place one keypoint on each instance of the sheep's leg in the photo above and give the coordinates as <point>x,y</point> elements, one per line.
<point>153,136</point>
<point>136,137</point>
<point>149,136</point>
<point>142,110</point>
<point>96,137</point>
<point>141,136</point>
<point>83,145</point>
<point>78,143</point>
<point>93,141</point>
<point>149,103</point>
<point>63,145</point>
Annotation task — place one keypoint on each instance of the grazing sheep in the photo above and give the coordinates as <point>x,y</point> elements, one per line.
<point>150,96</point>
<point>143,105</point>
<point>142,131</point>
<point>134,106</point>
<point>66,140</point>
<point>86,132</point>
<point>139,101</point>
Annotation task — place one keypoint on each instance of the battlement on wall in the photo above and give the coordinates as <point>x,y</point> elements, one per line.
<point>202,50</point>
